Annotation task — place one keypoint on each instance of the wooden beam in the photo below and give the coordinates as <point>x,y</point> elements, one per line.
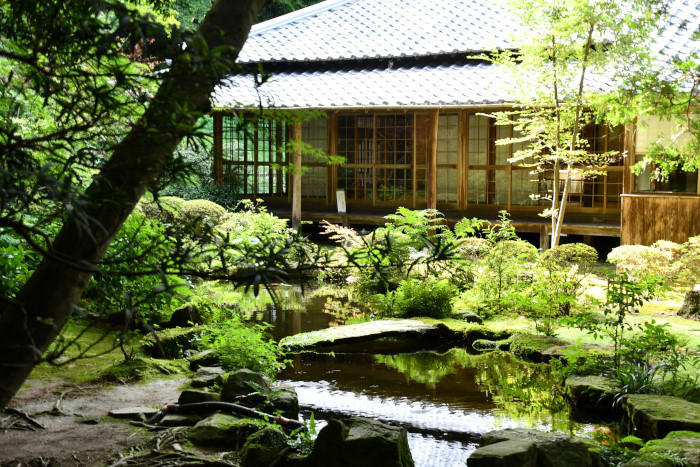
<point>431,164</point>
<point>218,174</point>
<point>296,178</point>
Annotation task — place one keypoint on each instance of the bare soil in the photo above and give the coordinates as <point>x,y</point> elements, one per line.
<point>80,432</point>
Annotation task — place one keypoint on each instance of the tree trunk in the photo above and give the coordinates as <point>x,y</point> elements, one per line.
<point>691,305</point>
<point>31,322</point>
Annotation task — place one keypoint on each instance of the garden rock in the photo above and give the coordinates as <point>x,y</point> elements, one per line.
<point>179,420</point>
<point>224,431</point>
<point>283,398</point>
<point>204,358</point>
<point>360,442</point>
<point>527,447</point>
<point>192,396</point>
<point>263,447</point>
<point>171,343</point>
<point>133,413</point>
<point>208,376</point>
<point>592,397</point>
<point>516,452</point>
<point>244,381</point>
<point>652,417</point>
<point>685,444</point>
<point>185,316</point>
<point>469,317</point>
<point>382,336</point>
<point>487,345</point>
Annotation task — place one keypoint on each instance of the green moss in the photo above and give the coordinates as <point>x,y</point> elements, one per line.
<point>531,346</point>
<point>143,369</point>
<point>169,343</point>
<point>83,370</point>
<point>679,444</point>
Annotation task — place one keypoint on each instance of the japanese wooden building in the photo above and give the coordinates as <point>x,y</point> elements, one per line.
<point>405,107</point>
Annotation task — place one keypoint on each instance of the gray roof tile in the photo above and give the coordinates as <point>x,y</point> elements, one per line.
<point>344,29</point>
<point>455,85</point>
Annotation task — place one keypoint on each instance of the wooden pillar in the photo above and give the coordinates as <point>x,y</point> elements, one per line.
<point>431,164</point>
<point>332,149</point>
<point>630,149</point>
<point>218,170</point>
<point>296,178</point>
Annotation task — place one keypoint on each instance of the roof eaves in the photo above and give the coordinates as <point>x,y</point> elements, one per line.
<point>297,15</point>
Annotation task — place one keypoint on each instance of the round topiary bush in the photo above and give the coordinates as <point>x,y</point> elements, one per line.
<point>570,254</point>
<point>207,211</point>
<point>166,209</point>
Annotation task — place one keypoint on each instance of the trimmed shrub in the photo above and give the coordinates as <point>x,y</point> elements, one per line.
<point>678,263</point>
<point>520,248</point>
<point>641,259</point>
<point>208,211</point>
<point>165,210</point>
<point>570,254</point>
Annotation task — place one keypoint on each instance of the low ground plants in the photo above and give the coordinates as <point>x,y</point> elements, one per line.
<point>244,345</point>
<point>429,297</point>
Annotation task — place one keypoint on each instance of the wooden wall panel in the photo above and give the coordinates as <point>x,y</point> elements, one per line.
<point>648,218</point>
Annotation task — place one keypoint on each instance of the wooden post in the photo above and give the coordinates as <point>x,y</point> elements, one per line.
<point>296,179</point>
<point>630,148</point>
<point>431,165</point>
<point>218,174</point>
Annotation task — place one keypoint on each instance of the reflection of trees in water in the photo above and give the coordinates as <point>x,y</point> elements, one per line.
<point>522,391</point>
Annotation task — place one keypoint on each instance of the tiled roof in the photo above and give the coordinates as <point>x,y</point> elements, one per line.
<point>346,46</point>
<point>455,85</point>
<point>355,29</point>
<point>681,36</point>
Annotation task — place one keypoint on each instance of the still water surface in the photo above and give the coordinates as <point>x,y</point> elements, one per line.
<point>446,401</point>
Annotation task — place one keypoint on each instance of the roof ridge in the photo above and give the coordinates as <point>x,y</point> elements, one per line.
<point>297,15</point>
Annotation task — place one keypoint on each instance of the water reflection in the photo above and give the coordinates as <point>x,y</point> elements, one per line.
<point>446,401</point>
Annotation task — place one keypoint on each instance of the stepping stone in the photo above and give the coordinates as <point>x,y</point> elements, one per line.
<point>133,413</point>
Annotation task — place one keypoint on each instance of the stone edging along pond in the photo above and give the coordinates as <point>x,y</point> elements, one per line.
<point>651,417</point>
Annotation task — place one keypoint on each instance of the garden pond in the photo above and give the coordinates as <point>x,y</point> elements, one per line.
<point>446,401</point>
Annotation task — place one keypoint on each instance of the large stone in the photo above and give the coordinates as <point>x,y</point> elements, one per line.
<point>283,398</point>
<point>685,444</point>
<point>244,381</point>
<point>133,413</point>
<point>171,343</point>
<point>360,442</point>
<point>468,316</point>
<point>651,416</point>
<point>516,452</point>
<point>177,419</point>
<point>383,336</point>
<point>224,431</point>
<point>262,447</point>
<point>192,396</point>
<point>185,316</point>
<point>207,376</point>
<point>206,357</point>
<point>592,397</point>
<point>552,449</point>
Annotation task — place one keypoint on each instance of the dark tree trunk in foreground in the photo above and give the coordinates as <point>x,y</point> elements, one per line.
<point>42,307</point>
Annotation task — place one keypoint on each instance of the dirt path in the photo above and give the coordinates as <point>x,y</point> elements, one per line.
<point>84,435</point>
